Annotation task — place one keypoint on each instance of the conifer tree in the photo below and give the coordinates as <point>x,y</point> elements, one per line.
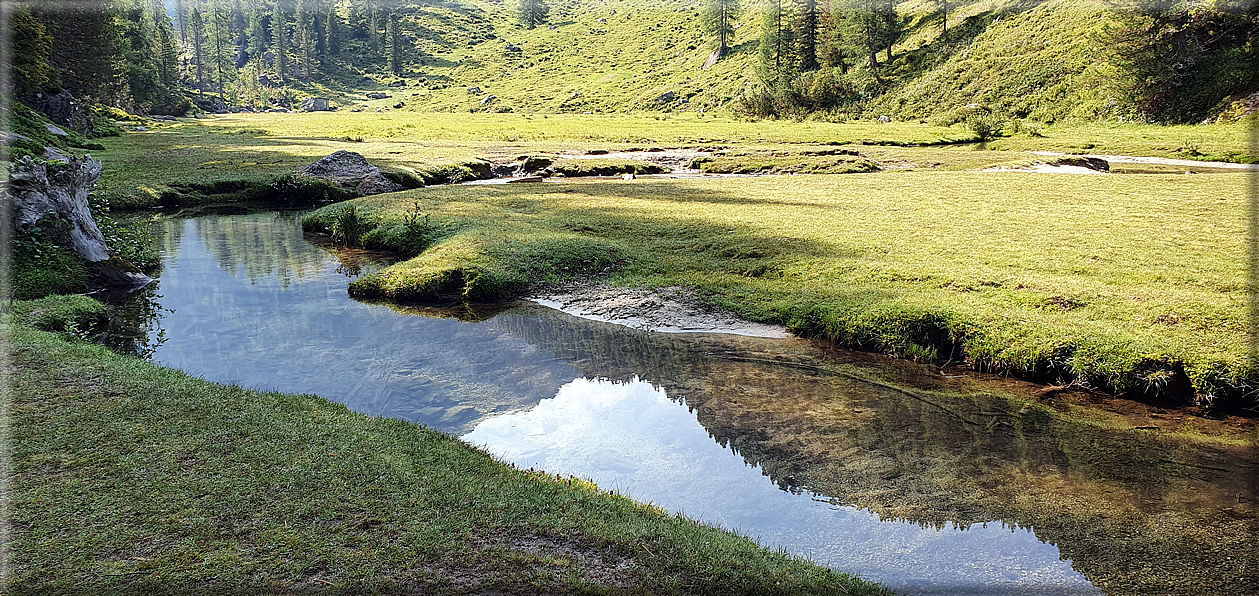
<point>279,40</point>
<point>219,38</point>
<point>719,18</point>
<point>777,63</point>
<point>332,34</point>
<point>805,31</point>
<point>395,45</point>
<point>196,32</point>
<point>531,13</point>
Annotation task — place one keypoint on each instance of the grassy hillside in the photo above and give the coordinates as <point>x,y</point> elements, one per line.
<point>1046,61</point>
<point>1041,61</point>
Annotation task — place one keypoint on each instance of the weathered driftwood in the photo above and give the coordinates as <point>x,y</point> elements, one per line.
<point>40,195</point>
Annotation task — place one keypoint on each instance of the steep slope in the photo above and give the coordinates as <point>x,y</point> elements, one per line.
<point>1042,61</point>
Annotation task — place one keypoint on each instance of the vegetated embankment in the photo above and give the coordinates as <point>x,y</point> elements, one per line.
<point>1126,283</point>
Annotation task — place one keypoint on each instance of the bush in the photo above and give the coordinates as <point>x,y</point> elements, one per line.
<point>985,124</point>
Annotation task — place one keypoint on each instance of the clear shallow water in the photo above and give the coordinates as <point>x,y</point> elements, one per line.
<point>777,439</point>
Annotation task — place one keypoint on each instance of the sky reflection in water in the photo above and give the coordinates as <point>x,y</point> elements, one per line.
<point>250,302</point>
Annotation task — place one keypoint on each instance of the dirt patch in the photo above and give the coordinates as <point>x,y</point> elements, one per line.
<point>668,310</point>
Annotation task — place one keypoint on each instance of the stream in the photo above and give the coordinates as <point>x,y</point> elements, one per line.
<point>857,462</point>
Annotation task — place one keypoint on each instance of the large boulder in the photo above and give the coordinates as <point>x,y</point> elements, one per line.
<point>315,104</point>
<point>351,171</point>
<point>54,197</point>
<point>64,110</point>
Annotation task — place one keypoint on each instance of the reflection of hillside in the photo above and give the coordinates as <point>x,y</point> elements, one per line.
<point>1134,512</point>
<point>255,245</point>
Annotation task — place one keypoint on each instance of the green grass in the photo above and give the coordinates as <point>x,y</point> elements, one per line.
<point>129,477</point>
<point>1130,283</point>
<point>235,158</point>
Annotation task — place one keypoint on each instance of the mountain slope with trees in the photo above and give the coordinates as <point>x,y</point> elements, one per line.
<point>1047,61</point>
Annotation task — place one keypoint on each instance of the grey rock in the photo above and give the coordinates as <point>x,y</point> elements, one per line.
<point>378,95</point>
<point>11,137</point>
<point>512,48</point>
<point>54,154</point>
<point>474,90</point>
<point>142,129</point>
<point>56,130</point>
<point>884,119</point>
<point>666,97</point>
<point>315,104</point>
<point>278,111</point>
<point>398,84</point>
<point>351,171</point>
<point>489,99</point>
<point>65,111</point>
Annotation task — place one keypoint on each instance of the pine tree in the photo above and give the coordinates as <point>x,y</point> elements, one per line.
<point>32,72</point>
<point>395,45</point>
<point>332,34</point>
<point>832,51</point>
<point>279,39</point>
<point>220,45</point>
<point>304,37</point>
<point>867,29</point>
<point>531,13</point>
<point>87,48</point>
<point>719,18</point>
<point>196,31</point>
<point>777,63</point>
<point>805,30</point>
<point>255,30</point>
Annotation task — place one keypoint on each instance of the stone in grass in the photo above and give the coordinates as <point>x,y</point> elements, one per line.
<point>315,104</point>
<point>351,171</point>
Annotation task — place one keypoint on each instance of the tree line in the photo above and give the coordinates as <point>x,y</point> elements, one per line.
<point>142,54</point>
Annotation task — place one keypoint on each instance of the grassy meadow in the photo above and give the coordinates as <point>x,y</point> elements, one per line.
<point>129,477</point>
<point>207,160</point>
<point>1134,283</point>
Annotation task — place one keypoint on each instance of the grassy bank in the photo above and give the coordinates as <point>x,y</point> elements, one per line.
<point>1131,283</point>
<point>131,477</point>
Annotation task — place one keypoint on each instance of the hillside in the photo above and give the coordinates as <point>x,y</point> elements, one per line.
<point>1043,61</point>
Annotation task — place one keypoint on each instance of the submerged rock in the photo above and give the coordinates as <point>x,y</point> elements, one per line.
<point>351,171</point>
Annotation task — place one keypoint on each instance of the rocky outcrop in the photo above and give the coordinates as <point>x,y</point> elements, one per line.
<point>351,171</point>
<point>54,198</point>
<point>65,111</point>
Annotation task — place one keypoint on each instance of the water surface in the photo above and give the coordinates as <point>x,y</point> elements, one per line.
<point>800,447</point>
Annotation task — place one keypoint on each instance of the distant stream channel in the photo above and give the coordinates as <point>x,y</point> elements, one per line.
<point>856,462</point>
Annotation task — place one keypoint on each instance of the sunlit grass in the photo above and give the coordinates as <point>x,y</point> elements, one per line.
<point>1135,283</point>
